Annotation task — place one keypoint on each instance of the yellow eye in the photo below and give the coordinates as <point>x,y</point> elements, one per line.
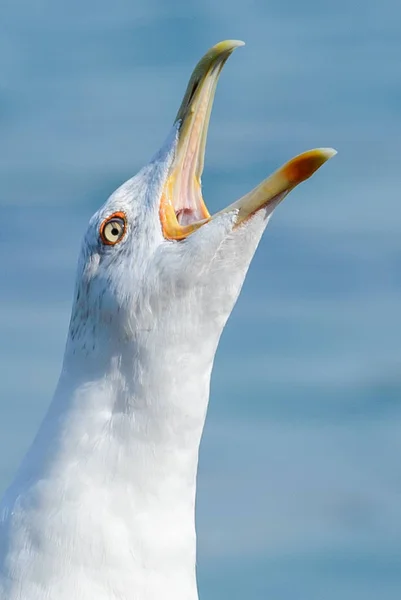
<point>113,229</point>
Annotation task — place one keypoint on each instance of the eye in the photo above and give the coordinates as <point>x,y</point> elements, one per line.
<point>113,229</point>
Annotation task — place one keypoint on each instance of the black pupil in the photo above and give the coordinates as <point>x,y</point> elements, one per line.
<point>115,231</point>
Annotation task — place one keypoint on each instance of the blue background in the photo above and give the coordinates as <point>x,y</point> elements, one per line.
<point>300,478</point>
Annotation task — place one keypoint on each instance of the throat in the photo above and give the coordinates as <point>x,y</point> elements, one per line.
<point>186,216</point>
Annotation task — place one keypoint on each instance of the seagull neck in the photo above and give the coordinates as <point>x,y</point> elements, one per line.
<point>117,494</point>
<point>147,410</point>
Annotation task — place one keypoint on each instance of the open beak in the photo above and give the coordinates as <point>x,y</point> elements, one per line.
<point>182,208</point>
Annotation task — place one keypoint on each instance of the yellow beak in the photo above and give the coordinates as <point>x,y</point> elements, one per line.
<point>182,208</point>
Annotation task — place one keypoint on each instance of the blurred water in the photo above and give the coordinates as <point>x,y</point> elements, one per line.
<point>300,479</point>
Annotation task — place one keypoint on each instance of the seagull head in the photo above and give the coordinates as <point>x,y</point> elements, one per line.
<point>103,505</point>
<point>154,260</point>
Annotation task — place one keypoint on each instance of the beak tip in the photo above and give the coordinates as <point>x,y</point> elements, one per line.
<point>226,47</point>
<point>328,152</point>
<point>237,43</point>
<point>304,165</point>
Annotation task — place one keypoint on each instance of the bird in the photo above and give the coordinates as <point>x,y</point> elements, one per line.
<point>103,504</point>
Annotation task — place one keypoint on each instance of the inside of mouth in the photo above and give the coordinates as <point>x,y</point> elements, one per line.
<point>186,216</point>
<point>187,197</point>
<point>189,206</point>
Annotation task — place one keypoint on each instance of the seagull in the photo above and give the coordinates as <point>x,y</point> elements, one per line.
<point>103,504</point>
